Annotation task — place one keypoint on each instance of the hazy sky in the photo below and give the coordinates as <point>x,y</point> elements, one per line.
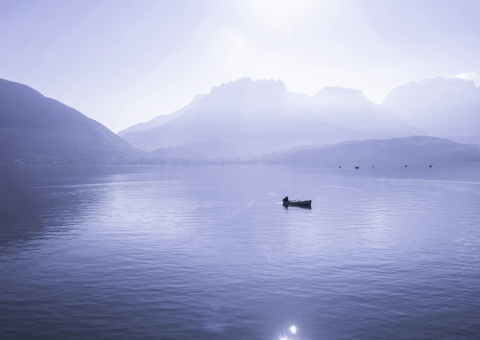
<point>122,62</point>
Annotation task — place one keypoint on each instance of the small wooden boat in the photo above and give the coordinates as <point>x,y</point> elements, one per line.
<point>297,203</point>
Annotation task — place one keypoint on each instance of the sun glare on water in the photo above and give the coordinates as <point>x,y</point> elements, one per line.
<point>292,329</point>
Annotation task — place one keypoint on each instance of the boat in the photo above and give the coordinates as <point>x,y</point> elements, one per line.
<point>297,203</point>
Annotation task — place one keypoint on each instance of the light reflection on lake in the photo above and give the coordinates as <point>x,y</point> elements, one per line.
<point>202,252</point>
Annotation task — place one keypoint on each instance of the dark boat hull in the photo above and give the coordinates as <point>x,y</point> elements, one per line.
<point>298,203</point>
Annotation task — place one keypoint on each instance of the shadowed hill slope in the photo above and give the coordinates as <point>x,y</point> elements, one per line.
<point>34,128</point>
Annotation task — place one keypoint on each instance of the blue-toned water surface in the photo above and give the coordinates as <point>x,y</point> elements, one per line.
<point>209,252</point>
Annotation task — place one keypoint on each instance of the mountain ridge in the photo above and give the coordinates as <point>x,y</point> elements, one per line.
<point>266,112</point>
<point>39,128</point>
<point>431,101</point>
<point>409,149</point>
<point>160,120</point>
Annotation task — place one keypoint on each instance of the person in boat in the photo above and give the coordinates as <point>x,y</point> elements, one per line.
<point>285,199</point>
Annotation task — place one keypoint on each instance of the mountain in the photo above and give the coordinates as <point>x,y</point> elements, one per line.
<point>260,116</point>
<point>410,149</point>
<point>203,150</point>
<point>351,109</point>
<point>463,120</point>
<point>433,104</point>
<point>36,130</point>
<point>160,120</point>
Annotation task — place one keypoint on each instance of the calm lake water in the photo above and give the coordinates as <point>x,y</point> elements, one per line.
<point>208,252</point>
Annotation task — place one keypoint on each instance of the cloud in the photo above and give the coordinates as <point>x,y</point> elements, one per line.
<point>468,76</point>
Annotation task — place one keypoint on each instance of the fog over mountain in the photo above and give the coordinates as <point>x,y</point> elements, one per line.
<point>160,120</point>
<point>260,116</point>
<point>37,130</point>
<point>440,107</point>
<point>409,149</point>
<point>243,120</point>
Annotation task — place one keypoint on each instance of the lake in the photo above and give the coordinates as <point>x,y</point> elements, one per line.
<point>209,252</point>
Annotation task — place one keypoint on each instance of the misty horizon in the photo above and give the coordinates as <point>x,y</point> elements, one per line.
<point>242,120</point>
